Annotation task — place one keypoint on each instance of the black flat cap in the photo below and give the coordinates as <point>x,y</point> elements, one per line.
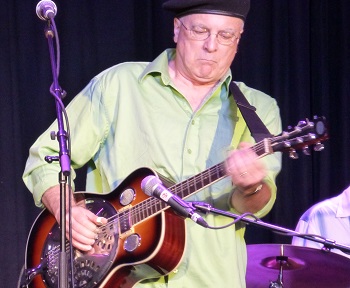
<point>233,8</point>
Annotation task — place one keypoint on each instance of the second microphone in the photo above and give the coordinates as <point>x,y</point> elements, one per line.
<point>152,186</point>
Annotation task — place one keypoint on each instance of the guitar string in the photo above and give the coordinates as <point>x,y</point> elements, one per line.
<point>145,205</point>
<point>151,202</point>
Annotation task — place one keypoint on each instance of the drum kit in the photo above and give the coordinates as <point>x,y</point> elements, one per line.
<point>288,266</point>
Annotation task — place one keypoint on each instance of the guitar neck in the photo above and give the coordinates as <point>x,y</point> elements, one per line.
<point>184,189</point>
<point>213,174</point>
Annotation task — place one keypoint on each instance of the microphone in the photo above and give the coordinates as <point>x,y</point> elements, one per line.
<point>152,186</point>
<point>46,10</point>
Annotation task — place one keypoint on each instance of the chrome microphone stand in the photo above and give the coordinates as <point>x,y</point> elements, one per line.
<point>46,10</point>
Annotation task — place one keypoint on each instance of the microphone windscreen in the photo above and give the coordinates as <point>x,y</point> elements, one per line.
<point>148,184</point>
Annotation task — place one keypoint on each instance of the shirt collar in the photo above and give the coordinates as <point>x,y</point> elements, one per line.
<point>160,66</point>
<point>344,204</point>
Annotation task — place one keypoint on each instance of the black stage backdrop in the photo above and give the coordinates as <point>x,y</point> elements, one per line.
<point>295,50</point>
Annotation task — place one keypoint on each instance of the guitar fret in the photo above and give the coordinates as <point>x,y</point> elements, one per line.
<point>136,217</point>
<point>161,205</point>
<point>157,207</point>
<point>151,209</point>
<point>144,213</point>
<point>207,180</point>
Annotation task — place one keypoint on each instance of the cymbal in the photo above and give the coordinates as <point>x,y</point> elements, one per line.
<point>301,267</point>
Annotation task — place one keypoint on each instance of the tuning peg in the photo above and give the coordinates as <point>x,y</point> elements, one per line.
<point>293,154</point>
<point>303,122</point>
<point>318,147</point>
<point>306,150</point>
<point>312,136</point>
<point>299,140</point>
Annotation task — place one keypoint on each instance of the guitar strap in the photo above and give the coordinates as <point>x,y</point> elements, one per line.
<point>257,128</point>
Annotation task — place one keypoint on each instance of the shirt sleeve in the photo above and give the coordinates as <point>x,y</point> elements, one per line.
<point>39,175</point>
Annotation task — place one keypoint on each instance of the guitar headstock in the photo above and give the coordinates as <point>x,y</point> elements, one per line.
<point>301,137</point>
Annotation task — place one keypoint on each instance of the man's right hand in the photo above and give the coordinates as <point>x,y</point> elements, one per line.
<point>84,223</point>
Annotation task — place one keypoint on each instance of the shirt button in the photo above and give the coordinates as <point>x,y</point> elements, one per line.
<point>189,151</point>
<point>193,122</point>
<point>175,271</point>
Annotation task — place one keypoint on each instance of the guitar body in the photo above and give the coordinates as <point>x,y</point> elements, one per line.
<point>124,253</point>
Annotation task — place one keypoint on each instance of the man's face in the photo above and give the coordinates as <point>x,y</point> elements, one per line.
<point>205,61</point>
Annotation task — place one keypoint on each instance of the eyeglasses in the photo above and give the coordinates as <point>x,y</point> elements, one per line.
<point>200,33</point>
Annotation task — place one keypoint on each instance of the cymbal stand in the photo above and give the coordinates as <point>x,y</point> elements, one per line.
<point>282,260</point>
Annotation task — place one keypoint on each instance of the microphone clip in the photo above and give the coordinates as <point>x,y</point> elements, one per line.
<point>201,206</point>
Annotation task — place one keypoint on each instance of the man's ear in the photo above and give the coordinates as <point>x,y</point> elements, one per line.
<point>177,26</point>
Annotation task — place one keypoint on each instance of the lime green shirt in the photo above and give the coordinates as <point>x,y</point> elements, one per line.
<point>131,116</point>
